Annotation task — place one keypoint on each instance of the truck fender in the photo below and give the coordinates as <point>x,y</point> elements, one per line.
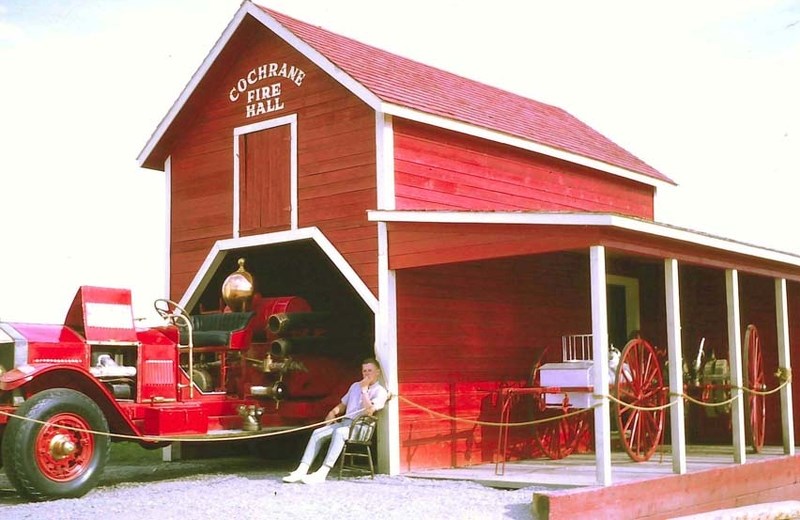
<point>20,375</point>
<point>36,377</point>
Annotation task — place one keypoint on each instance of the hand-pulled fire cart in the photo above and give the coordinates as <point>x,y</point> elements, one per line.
<point>562,392</point>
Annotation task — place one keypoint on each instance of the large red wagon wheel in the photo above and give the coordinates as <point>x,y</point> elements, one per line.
<point>557,437</point>
<point>639,384</point>
<point>754,404</point>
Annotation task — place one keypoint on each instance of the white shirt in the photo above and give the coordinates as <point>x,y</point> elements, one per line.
<point>352,399</point>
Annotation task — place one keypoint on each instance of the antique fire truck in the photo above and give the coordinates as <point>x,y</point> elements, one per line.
<point>68,391</point>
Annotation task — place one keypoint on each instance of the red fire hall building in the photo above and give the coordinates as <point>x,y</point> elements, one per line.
<point>457,231</point>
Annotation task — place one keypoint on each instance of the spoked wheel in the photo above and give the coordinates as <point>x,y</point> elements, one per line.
<point>639,384</point>
<point>559,436</point>
<point>754,404</point>
<point>57,449</point>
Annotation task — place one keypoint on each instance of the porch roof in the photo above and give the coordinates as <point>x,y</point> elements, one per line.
<point>570,231</point>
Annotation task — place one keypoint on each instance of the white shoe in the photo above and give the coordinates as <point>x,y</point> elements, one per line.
<point>294,476</point>
<point>318,477</point>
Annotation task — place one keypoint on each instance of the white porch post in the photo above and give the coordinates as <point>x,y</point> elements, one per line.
<point>676,415</point>
<point>386,352</point>
<point>386,318</point>
<point>784,361</point>
<point>735,360</point>
<point>602,419</point>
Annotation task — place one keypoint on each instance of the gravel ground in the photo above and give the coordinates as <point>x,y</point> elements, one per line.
<point>137,485</point>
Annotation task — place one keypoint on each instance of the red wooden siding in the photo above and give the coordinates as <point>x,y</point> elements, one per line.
<point>264,181</point>
<point>336,158</point>
<point>414,245</point>
<point>440,169</point>
<point>466,329</point>
<point>337,183</point>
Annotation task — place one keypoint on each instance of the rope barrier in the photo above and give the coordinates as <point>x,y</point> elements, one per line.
<point>783,374</point>
<point>182,438</point>
<point>476,422</point>
<point>633,406</point>
<point>708,404</point>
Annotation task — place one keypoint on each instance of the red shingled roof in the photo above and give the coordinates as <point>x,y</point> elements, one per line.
<point>411,84</point>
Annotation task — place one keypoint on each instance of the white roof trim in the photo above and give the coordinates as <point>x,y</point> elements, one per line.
<point>271,23</point>
<point>197,77</point>
<point>315,56</point>
<point>518,142</point>
<point>221,248</point>
<point>586,219</point>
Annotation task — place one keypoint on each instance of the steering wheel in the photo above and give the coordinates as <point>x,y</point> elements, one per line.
<point>169,310</point>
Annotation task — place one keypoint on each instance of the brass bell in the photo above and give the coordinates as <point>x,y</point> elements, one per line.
<point>237,289</point>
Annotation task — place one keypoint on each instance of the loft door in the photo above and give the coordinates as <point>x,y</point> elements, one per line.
<point>264,181</point>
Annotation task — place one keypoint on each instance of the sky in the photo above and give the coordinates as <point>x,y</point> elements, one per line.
<point>704,91</point>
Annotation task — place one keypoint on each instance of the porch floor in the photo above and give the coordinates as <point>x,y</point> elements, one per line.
<point>578,470</point>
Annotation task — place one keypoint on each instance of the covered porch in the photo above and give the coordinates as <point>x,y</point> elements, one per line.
<point>686,284</point>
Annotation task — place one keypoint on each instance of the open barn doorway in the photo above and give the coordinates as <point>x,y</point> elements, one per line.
<point>622,296</point>
<point>297,268</point>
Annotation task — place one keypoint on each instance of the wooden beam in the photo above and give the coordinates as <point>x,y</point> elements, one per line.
<point>677,419</point>
<point>784,361</point>
<point>735,361</point>
<point>602,419</point>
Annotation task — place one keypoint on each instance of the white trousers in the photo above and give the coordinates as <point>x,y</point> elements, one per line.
<point>337,433</point>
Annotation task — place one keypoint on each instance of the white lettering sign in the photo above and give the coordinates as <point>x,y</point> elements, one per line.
<point>263,99</point>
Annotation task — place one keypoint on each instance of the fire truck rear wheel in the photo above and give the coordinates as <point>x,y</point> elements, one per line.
<point>63,458</point>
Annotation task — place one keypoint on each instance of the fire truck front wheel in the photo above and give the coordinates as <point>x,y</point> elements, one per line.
<point>57,447</point>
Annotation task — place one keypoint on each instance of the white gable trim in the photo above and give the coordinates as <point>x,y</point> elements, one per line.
<point>167,226</point>
<point>518,142</point>
<point>290,120</point>
<point>271,23</point>
<point>586,219</point>
<point>315,56</point>
<point>222,247</point>
<point>190,87</point>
